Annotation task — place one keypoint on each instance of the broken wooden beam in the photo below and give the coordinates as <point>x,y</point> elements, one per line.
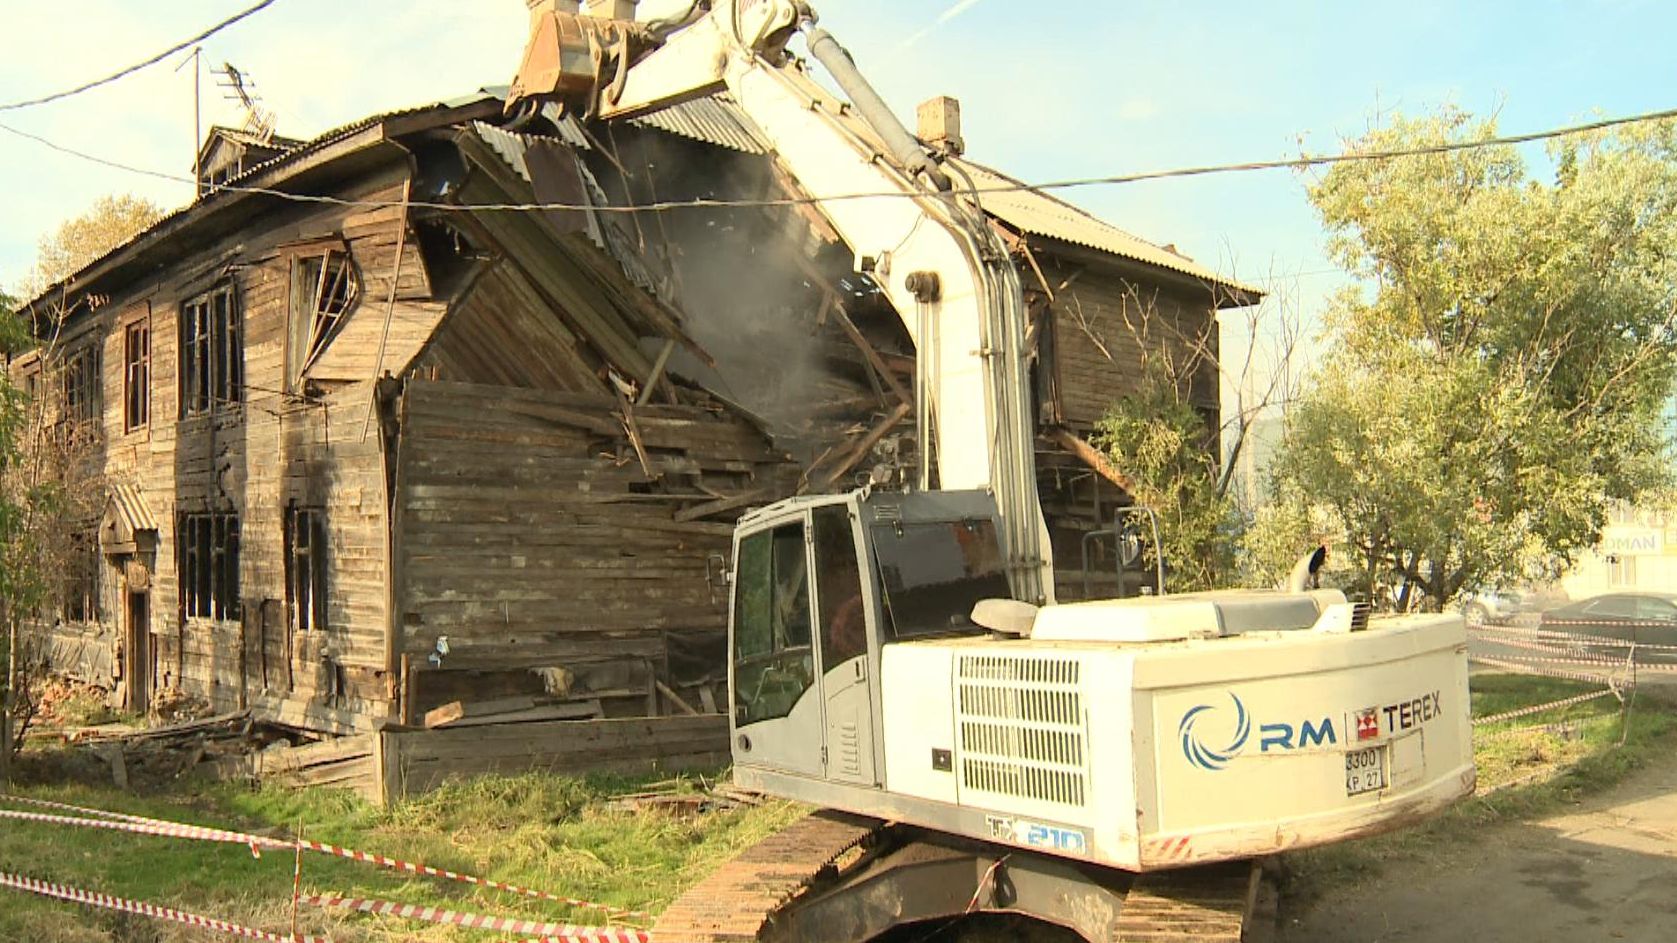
<point>872,355</point>
<point>863,447</point>
<point>1090,456</point>
<point>657,373</point>
<point>675,698</point>
<point>721,505</point>
<point>456,710</point>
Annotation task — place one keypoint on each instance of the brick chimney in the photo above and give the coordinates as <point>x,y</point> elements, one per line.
<point>939,121</point>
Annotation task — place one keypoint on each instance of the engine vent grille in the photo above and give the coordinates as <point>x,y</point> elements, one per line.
<point>1359,616</point>
<point>1022,727</point>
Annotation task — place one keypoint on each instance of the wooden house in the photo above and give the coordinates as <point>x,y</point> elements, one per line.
<point>372,446</point>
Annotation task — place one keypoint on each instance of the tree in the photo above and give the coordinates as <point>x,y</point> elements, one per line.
<point>1497,383</point>
<point>11,426</point>
<point>1169,457</point>
<point>111,221</point>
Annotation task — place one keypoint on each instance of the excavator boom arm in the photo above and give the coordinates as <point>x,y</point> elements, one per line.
<point>932,251</point>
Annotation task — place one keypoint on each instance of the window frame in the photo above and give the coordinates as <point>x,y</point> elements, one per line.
<point>793,657</point>
<point>81,394</point>
<point>83,578</point>
<point>207,565</point>
<point>136,373</point>
<point>318,307</point>
<point>212,354</point>
<point>306,573</point>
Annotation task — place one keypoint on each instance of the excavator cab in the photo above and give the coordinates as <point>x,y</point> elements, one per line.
<point>820,586</point>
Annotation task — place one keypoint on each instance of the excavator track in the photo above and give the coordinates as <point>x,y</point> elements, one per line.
<point>1212,904</point>
<point>737,901</point>
<point>838,878</point>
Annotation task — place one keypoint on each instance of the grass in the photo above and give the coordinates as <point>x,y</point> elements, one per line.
<point>535,830</point>
<point>1528,767</point>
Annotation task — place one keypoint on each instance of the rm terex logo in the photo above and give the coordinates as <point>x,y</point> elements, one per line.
<point>1205,720</point>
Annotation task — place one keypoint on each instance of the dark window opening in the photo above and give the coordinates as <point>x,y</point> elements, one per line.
<point>136,376</point>
<point>209,565</point>
<point>212,352</point>
<point>323,290</point>
<point>305,568</point>
<point>81,386</point>
<point>81,578</point>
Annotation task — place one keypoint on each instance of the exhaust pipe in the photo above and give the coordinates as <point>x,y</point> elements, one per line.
<point>1306,574</point>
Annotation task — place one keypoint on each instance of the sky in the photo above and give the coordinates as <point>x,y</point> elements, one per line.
<point>1049,90</point>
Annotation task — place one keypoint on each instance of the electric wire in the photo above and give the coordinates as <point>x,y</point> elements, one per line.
<point>1294,163</point>
<point>124,73</point>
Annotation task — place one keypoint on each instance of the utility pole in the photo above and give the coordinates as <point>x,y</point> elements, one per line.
<point>197,117</point>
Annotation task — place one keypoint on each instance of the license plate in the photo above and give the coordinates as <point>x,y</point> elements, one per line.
<point>1366,770</point>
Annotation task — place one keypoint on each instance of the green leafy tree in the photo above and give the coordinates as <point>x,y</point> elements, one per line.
<point>1497,382</point>
<point>1170,458</point>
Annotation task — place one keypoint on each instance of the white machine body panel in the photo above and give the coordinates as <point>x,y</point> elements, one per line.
<point>1159,755</point>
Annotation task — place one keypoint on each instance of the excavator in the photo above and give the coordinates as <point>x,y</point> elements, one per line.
<point>1111,770</point>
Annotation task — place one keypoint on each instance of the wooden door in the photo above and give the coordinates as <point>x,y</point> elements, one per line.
<point>138,654</point>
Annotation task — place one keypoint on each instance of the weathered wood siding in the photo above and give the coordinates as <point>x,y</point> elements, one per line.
<point>1107,327</point>
<point>530,538</point>
<point>415,761</point>
<point>255,458</point>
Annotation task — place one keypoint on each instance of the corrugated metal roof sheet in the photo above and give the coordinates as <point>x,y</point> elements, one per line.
<point>713,120</point>
<point>718,120</point>
<point>222,193</point>
<point>1036,213</point>
<point>131,508</point>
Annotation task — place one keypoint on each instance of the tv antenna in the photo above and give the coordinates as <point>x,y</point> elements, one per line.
<point>238,86</point>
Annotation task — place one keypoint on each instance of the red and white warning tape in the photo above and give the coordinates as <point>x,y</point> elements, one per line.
<point>455,918</point>
<point>191,832</point>
<point>123,905</point>
<point>397,864</point>
<point>137,824</point>
<point>1539,708</point>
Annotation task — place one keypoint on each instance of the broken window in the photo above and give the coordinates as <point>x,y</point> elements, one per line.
<point>81,578</point>
<point>209,564</point>
<point>305,568</point>
<point>81,387</point>
<point>212,352</point>
<point>136,376</point>
<point>324,288</point>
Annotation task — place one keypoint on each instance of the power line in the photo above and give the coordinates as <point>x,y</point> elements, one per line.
<point>1295,163</point>
<point>115,76</point>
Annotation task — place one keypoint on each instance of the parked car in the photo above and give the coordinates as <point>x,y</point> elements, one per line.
<point>1491,607</point>
<point>1643,618</point>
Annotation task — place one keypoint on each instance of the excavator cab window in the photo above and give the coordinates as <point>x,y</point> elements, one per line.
<point>838,584</point>
<point>934,572</point>
<point>774,663</point>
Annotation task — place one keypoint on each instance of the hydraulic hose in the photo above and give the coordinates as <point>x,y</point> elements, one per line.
<point>903,147</point>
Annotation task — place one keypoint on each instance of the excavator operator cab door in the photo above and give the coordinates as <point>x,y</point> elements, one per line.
<point>801,645</point>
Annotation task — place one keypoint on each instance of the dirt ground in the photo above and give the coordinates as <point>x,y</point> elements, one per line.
<point>1606,870</point>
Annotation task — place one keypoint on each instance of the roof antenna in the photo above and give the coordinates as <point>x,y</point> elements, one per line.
<point>238,86</point>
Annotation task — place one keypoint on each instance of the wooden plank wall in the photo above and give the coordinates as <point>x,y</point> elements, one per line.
<point>1096,311</point>
<point>414,761</point>
<point>255,458</point>
<point>531,537</point>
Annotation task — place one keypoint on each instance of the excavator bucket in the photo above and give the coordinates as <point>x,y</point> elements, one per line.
<point>560,61</point>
